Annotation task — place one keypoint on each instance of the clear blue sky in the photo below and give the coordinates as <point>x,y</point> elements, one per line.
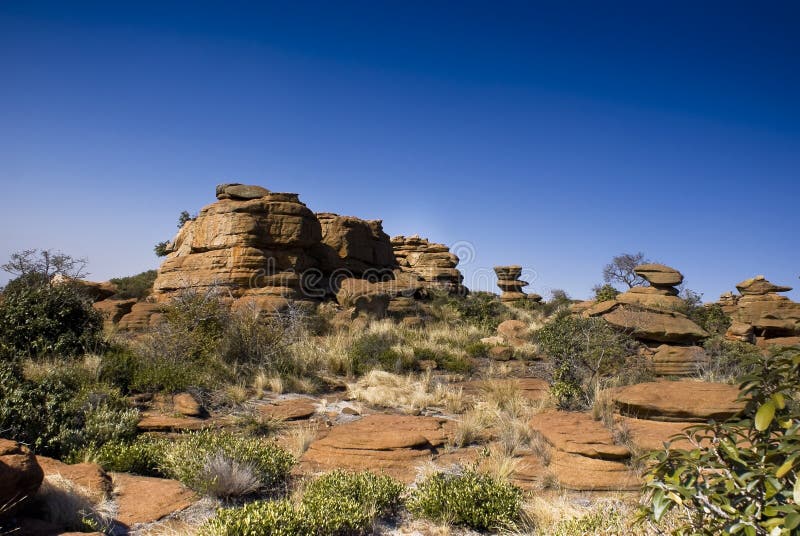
<point>553,135</point>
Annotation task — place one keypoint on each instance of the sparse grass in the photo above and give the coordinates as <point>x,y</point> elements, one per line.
<point>470,428</point>
<point>407,393</point>
<point>299,438</point>
<point>68,505</point>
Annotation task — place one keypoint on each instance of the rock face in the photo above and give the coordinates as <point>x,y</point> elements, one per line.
<point>678,360</point>
<point>585,455</point>
<point>392,444</point>
<point>677,401</point>
<point>649,313</point>
<point>20,474</point>
<point>770,314</point>
<point>353,246</point>
<point>510,284</point>
<point>433,263</point>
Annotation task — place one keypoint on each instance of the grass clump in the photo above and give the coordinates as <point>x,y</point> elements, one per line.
<point>338,503</point>
<point>470,498</point>
<point>206,459</point>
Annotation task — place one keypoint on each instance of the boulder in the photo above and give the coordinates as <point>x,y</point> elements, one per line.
<point>353,245</point>
<point>678,360</point>
<point>514,332</point>
<point>289,409</point>
<point>143,315</point>
<point>392,444</point>
<point>659,326</point>
<point>365,297</point>
<point>240,191</point>
<point>433,263</point>
<point>759,286</point>
<point>578,433</point>
<point>186,404</point>
<point>94,291</point>
<point>677,401</point>
<point>143,499</point>
<point>20,474</point>
<point>87,475</point>
<point>114,310</point>
<point>739,331</point>
<point>659,275</point>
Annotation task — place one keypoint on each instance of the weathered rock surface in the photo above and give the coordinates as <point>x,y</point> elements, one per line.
<point>678,360</point>
<point>289,409</point>
<point>155,422</point>
<point>87,475</point>
<point>677,401</point>
<point>769,313</point>
<point>114,310</point>
<point>20,474</point>
<point>659,326</point>
<point>143,315</point>
<point>578,433</point>
<point>508,279</point>
<point>659,275</point>
<point>515,333</point>
<point>186,404</point>
<point>433,263</point>
<point>240,191</point>
<point>592,474</point>
<point>649,435</point>
<point>143,499</point>
<point>353,246</point>
<point>391,443</point>
<point>93,290</point>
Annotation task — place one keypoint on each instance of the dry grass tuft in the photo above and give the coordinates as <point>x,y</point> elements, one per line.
<point>226,477</point>
<point>300,438</point>
<point>407,393</point>
<point>68,505</point>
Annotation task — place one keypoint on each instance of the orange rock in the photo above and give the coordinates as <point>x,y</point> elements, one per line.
<point>290,409</point>
<point>678,360</point>
<point>578,433</point>
<point>88,475</point>
<point>143,499</point>
<point>577,472</point>
<point>153,422</point>
<point>677,401</point>
<point>20,474</point>
<point>186,404</point>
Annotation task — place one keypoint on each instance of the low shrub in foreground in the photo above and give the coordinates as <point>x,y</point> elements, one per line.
<point>469,498</point>
<point>142,456</point>
<point>338,503</point>
<point>221,464</point>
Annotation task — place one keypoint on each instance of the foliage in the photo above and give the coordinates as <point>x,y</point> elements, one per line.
<point>620,269</point>
<point>186,458</point>
<point>711,318</point>
<point>445,360</point>
<point>136,286</point>
<point>58,414</point>
<point>183,217</point>
<point>469,498</point>
<point>740,476</point>
<point>43,320</point>
<point>44,265</point>
<point>374,350</point>
<point>605,293</point>
<point>729,360</point>
<point>161,249</point>
<point>477,349</point>
<point>481,309</point>
<point>143,456</point>
<point>337,503</point>
<point>582,351</point>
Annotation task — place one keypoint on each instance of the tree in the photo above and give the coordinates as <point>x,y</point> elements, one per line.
<point>739,476</point>
<point>620,269</point>
<point>161,249</point>
<point>604,292</point>
<point>41,265</point>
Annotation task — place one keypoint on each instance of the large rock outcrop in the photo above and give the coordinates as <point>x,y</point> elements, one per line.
<point>762,307</point>
<point>433,263</point>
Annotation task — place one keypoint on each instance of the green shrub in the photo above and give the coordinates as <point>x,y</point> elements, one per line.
<point>729,360</point>
<point>583,350</point>
<point>338,503</point>
<point>711,318</point>
<point>142,456</point>
<point>605,293</point>
<point>444,360</point>
<point>374,350</point>
<point>118,367</point>
<point>44,320</point>
<point>477,349</point>
<point>136,286</point>
<point>740,476</point>
<point>474,499</point>
<point>190,459</point>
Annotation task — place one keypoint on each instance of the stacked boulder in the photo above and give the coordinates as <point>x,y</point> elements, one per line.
<point>434,264</point>
<point>508,279</point>
<point>649,314</point>
<point>760,314</point>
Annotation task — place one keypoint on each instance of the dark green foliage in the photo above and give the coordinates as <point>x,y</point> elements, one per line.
<point>142,456</point>
<point>444,360</point>
<point>41,320</point>
<point>729,360</point>
<point>135,286</point>
<point>477,349</point>
<point>336,504</point>
<point>740,476</point>
<point>374,350</point>
<point>583,350</point>
<point>160,249</point>
<point>183,217</point>
<point>711,318</point>
<point>605,293</point>
<point>471,498</point>
<point>60,413</point>
<point>482,309</point>
<point>118,367</point>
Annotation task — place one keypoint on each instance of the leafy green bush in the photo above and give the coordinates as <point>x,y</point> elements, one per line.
<point>58,414</point>
<point>374,350</point>
<point>477,349</point>
<point>583,350</point>
<point>43,319</point>
<point>338,503</point>
<point>136,286</point>
<point>448,361</point>
<point>470,498</point>
<point>740,476</point>
<point>729,360</point>
<point>142,456</point>
<point>481,309</point>
<point>605,293</point>
<point>711,318</point>
<point>189,458</point>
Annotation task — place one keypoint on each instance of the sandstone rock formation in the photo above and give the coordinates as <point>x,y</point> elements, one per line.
<point>678,360</point>
<point>510,284</point>
<point>433,263</point>
<point>353,246</point>
<point>677,401</point>
<point>762,307</point>
<point>20,474</point>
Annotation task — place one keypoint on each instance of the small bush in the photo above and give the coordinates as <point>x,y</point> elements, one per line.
<point>481,309</point>
<point>445,360</point>
<point>136,286</point>
<point>118,367</point>
<point>605,293</point>
<point>477,349</point>
<point>469,498</point>
<point>729,360</point>
<point>374,350</point>
<point>142,456</point>
<point>43,320</point>
<point>338,503</point>
<point>188,460</point>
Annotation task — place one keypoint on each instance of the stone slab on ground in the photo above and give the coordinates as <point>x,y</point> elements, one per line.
<point>144,499</point>
<point>677,401</point>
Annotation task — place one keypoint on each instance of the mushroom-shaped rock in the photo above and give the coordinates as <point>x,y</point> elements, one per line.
<point>659,275</point>
<point>759,285</point>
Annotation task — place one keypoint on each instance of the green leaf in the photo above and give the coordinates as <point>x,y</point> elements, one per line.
<point>792,521</point>
<point>785,468</point>
<point>764,415</point>
<point>796,494</point>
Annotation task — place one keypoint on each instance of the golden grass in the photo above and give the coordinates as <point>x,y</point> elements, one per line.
<point>409,393</point>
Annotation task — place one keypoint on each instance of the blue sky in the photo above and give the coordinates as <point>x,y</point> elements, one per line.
<point>553,135</point>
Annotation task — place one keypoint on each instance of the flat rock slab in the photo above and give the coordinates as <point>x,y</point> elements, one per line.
<point>88,475</point>
<point>580,473</point>
<point>651,435</point>
<point>391,444</point>
<point>290,409</point>
<point>677,401</point>
<point>154,422</point>
<point>578,433</point>
<point>144,499</point>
